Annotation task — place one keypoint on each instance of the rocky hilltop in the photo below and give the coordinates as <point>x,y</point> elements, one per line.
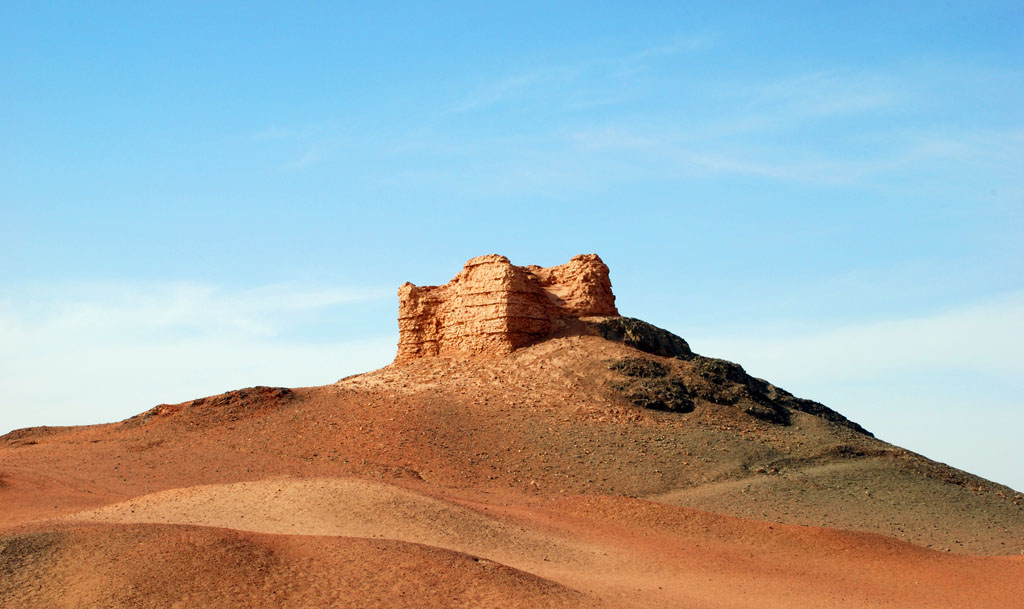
<point>493,306</point>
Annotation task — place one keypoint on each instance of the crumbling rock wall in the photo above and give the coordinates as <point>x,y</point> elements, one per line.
<point>493,306</point>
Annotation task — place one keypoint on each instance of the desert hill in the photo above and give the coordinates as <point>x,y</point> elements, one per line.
<point>529,447</point>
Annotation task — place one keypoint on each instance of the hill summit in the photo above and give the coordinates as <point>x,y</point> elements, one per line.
<point>494,307</point>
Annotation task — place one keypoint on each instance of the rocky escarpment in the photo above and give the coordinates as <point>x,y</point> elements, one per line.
<point>493,306</point>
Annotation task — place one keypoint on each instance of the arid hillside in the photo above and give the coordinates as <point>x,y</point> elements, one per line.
<point>601,464</point>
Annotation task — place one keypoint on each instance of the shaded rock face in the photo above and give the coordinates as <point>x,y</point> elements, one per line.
<point>494,307</point>
<point>650,384</point>
<point>729,384</point>
<point>643,336</point>
<point>654,384</point>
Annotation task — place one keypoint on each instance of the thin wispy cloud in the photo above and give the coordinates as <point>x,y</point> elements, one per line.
<point>300,146</point>
<point>818,95</point>
<point>311,157</point>
<point>71,353</point>
<point>689,44</point>
<point>635,118</point>
<point>561,77</point>
<point>495,92</point>
<point>110,309</point>
<point>996,148</point>
<point>828,127</point>
<point>323,148</point>
<point>275,133</point>
<point>598,157</point>
<point>983,338</point>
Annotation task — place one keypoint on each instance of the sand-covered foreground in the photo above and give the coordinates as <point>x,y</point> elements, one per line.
<point>529,480</point>
<point>338,542</point>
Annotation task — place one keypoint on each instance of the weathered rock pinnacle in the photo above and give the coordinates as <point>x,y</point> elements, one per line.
<point>493,306</point>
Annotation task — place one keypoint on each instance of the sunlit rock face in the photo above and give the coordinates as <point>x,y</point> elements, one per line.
<point>493,306</point>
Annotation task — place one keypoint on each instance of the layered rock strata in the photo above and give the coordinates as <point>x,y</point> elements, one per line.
<point>493,306</point>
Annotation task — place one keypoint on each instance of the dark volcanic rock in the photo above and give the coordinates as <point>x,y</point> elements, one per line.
<point>726,383</point>
<point>650,385</point>
<point>657,394</point>
<point>643,336</point>
<point>640,367</point>
<point>655,384</point>
<point>773,413</point>
<point>820,410</point>
<point>243,400</point>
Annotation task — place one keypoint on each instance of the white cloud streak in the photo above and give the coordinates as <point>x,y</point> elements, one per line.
<point>96,353</point>
<point>983,338</point>
<point>540,82</point>
<point>772,127</point>
<point>819,94</point>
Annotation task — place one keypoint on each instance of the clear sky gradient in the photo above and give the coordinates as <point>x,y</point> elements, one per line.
<point>196,197</point>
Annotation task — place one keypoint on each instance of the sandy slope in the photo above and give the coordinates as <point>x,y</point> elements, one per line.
<point>521,481</point>
<point>160,566</point>
<point>872,496</point>
<point>617,550</point>
<point>342,507</point>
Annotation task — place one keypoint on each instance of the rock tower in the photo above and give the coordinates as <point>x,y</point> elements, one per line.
<point>493,306</point>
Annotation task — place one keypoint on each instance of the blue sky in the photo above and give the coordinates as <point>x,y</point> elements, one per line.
<point>205,196</point>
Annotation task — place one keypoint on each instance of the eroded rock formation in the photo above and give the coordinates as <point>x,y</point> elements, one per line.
<point>493,306</point>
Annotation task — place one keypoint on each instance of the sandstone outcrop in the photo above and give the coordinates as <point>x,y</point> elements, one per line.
<point>493,306</point>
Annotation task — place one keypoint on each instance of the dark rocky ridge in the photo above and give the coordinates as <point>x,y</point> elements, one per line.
<point>642,335</point>
<point>652,384</point>
<point>230,406</point>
